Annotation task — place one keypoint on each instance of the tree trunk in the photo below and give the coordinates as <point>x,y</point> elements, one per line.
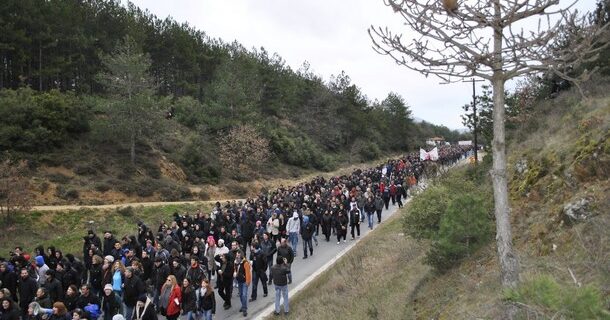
<point>509,263</point>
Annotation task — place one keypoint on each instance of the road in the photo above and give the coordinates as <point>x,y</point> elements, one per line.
<point>303,271</point>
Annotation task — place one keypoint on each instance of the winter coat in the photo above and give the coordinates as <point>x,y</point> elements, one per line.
<point>189,299</point>
<point>54,289</point>
<point>9,281</point>
<point>27,291</point>
<point>111,305</point>
<point>132,288</point>
<point>207,301</point>
<point>173,308</point>
<point>279,274</point>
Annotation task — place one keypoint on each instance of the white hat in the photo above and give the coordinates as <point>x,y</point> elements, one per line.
<point>109,258</point>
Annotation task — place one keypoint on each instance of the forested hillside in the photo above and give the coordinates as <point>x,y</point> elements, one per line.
<point>106,100</point>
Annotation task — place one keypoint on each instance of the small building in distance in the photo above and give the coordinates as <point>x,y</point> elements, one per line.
<point>436,141</point>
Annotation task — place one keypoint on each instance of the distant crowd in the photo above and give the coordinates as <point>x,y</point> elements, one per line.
<point>177,267</point>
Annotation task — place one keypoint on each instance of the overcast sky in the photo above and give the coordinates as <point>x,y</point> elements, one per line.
<point>332,36</point>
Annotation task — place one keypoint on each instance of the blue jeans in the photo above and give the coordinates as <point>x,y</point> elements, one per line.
<point>281,291</point>
<point>207,314</point>
<point>191,315</point>
<point>305,244</point>
<point>243,295</point>
<point>293,237</point>
<point>370,218</point>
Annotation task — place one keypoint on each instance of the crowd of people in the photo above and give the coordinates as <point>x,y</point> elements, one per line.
<point>177,267</point>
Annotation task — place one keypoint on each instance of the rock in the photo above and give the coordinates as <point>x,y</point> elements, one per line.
<point>521,166</point>
<point>577,211</point>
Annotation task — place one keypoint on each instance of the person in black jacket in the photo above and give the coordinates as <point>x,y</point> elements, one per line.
<point>145,309</point>
<point>225,279</point>
<point>133,287</point>
<point>327,222</point>
<point>307,233</point>
<point>354,221</point>
<point>54,287</point>
<point>8,279</point>
<point>96,275</point>
<point>159,273</point>
<point>259,267</point>
<point>27,291</point>
<point>9,310</point>
<point>189,299</point>
<point>279,273</point>
<point>341,226</point>
<point>109,241</point>
<point>269,249</point>
<point>206,300</point>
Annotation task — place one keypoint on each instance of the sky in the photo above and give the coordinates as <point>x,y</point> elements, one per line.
<point>332,36</point>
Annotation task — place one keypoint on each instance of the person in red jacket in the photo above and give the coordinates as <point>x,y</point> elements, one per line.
<point>171,298</point>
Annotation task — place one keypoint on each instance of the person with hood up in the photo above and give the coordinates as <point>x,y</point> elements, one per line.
<point>294,228</point>
<point>145,309</point>
<point>41,269</point>
<point>307,235</point>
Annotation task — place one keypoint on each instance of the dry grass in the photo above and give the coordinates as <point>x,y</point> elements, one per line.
<point>375,280</point>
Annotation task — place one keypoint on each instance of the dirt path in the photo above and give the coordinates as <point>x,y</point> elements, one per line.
<point>117,205</point>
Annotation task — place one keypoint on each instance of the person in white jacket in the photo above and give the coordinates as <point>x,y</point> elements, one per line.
<point>294,228</point>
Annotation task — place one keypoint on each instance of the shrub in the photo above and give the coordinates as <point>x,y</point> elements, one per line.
<point>175,193</point>
<point>237,189</point>
<point>58,178</point>
<point>425,211</point>
<point>101,186</point>
<point>84,169</point>
<point>464,228</point>
<point>65,193</point>
<point>126,211</point>
<point>547,298</point>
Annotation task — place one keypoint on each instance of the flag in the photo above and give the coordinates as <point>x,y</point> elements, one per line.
<point>423,155</point>
<point>433,154</point>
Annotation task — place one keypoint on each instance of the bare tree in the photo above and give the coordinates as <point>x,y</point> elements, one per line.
<point>15,193</point>
<point>242,149</point>
<point>486,39</point>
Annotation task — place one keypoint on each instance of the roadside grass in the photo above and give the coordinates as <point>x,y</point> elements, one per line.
<point>374,280</point>
<point>65,229</point>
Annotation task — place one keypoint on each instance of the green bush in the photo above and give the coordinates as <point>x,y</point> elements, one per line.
<point>464,228</point>
<point>84,169</point>
<point>547,298</point>
<point>199,161</point>
<point>298,151</point>
<point>31,121</point>
<point>58,178</point>
<point>126,211</point>
<point>425,211</point>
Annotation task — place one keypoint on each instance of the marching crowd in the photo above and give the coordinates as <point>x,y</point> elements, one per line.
<point>177,267</point>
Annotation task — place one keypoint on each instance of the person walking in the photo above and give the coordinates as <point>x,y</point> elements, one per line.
<point>243,275</point>
<point>354,221</point>
<point>133,287</point>
<point>341,225</point>
<point>111,303</point>
<point>307,234</point>
<point>189,300</point>
<point>279,275</point>
<point>259,270</point>
<point>225,279</point>
<point>327,222</point>
<point>171,298</point>
<point>206,298</point>
<point>378,206</point>
<point>294,228</point>
<point>286,252</point>
<point>269,249</point>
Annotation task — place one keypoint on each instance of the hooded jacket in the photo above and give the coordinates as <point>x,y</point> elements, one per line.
<point>294,225</point>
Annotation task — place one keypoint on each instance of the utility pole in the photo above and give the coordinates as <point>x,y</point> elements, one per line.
<point>474,118</point>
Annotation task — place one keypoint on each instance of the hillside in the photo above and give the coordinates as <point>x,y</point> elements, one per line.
<point>559,169</point>
<point>174,133</point>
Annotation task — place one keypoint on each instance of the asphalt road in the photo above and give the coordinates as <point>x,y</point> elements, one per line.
<point>303,271</point>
